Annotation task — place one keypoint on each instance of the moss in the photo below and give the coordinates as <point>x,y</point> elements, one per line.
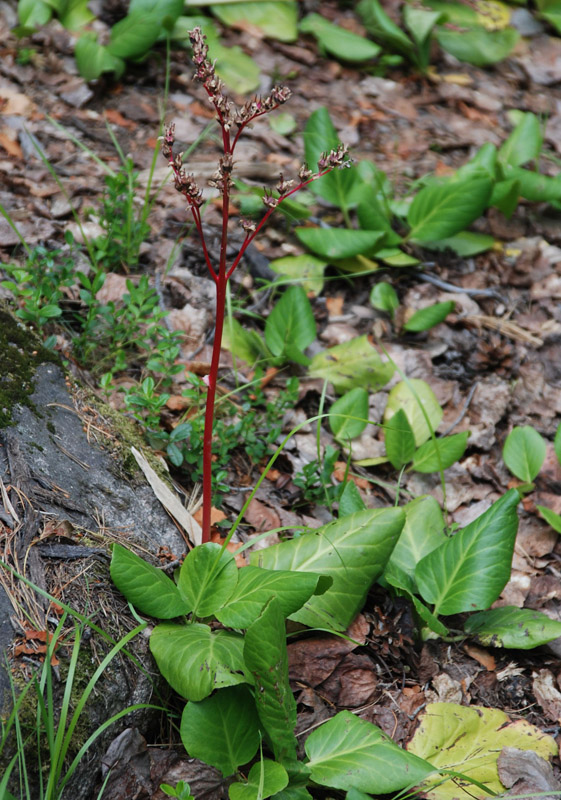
<point>21,353</point>
<point>51,428</point>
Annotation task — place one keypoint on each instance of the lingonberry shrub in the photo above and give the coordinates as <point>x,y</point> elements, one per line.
<point>232,121</point>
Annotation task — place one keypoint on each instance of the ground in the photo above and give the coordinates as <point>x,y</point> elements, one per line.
<point>493,365</point>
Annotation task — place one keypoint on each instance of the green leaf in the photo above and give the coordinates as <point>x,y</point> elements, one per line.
<point>265,779</point>
<point>535,187</point>
<point>147,588</point>
<point>284,123</point>
<point>207,578</point>
<point>350,501</point>
<point>465,243</point>
<point>275,19</point>
<point>415,396</point>
<point>195,660</point>
<point>337,41</point>
<point>167,12</point>
<point>266,657</point>
<point>76,14</point>
<point>291,324</point>
<point>34,13</point>
<point>478,46</point>
<point>552,13</point>
<point>307,269</point>
<point>238,70</point>
<point>420,23</point>
<point>384,297</point>
<point>348,416</point>
<point>470,740</point>
<point>353,551</point>
<point>92,59</point>
<point>320,136</point>
<point>422,533</point>
<point>524,143</point>
<point>439,211</point>
<point>338,242</point>
<point>469,571</point>
<point>134,35</point>
<point>244,343</point>
<point>428,317</point>
<point>557,443</point>
<point>255,588</point>
<point>350,752</point>
<point>432,456</point>
<point>520,628</point>
<point>222,730</point>
<point>354,363</point>
<point>399,439</point>
<point>524,452</point>
<point>505,196</point>
<point>550,517</point>
<point>382,28</point>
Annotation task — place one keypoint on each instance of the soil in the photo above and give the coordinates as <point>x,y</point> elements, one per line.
<point>494,364</point>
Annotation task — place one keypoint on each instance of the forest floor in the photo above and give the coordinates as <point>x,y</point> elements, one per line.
<point>495,363</point>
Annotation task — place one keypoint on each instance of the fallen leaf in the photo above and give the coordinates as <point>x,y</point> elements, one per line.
<point>482,656</point>
<point>547,694</point>
<point>526,773</point>
<point>261,517</point>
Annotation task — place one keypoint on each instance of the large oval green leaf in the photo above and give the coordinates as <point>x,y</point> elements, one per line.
<point>349,752</point>
<point>207,578</point>
<point>353,551</point>
<point>134,35</point>
<point>195,660</point>
<point>222,730</point>
<point>339,42</point>
<point>478,46</point>
<point>423,532</point>
<point>469,571</point>
<point>291,325</point>
<point>509,626</point>
<point>275,18</point>
<point>524,452</point>
<point>419,403</point>
<point>354,363</point>
<point>442,210</point>
<point>338,242</point>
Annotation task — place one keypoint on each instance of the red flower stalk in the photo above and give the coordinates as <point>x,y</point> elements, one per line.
<point>232,121</point>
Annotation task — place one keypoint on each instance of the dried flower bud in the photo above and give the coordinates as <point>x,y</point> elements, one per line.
<point>334,159</point>
<point>283,186</point>
<point>280,94</point>
<point>248,225</point>
<point>304,173</point>
<point>269,200</point>
<point>168,140</point>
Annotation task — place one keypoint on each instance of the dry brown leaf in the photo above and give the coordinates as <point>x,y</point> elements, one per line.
<point>547,694</point>
<point>482,656</point>
<point>10,144</point>
<point>261,517</point>
<point>117,118</point>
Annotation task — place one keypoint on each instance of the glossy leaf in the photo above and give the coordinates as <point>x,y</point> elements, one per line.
<point>305,268</point>
<point>244,343</point>
<point>207,578</point>
<point>524,452</point>
<point>351,500</point>
<point>320,136</point>
<point>265,779</point>
<point>134,35</point>
<point>557,443</point>
<point>195,660</point>
<point>350,752</point>
<point>34,13</point>
<point>353,551</point>
<point>535,187</point>
<point>384,297</point>
<point>432,456</point>
<point>338,242</point>
<point>337,41</point>
<point>399,439</point>
<point>76,14</point>
<point>167,12</point>
<point>426,318</point>
<point>469,570</point>
<point>290,325</point>
<point>147,588</point>
<point>478,46</point>
<point>275,18</point>
<point>469,740</point>
<point>508,626</point>
<point>348,416</point>
<point>422,533</point>
<point>550,517</point>
<point>92,59</point>
<point>266,657</point>
<point>439,211</point>
<point>382,28</point>
<point>255,588</point>
<point>351,364</point>
<point>231,729</point>
<point>415,396</point>
<point>524,143</point>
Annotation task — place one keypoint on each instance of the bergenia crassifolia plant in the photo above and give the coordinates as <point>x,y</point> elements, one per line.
<point>232,120</point>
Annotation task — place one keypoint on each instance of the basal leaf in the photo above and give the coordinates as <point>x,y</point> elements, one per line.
<point>384,297</point>
<point>349,752</point>
<point>426,318</point>
<point>469,570</point>
<point>382,28</point>
<point>508,626</point>
<point>434,455</point>
<point>34,13</point>
<point>222,730</point>
<point>338,242</point>
<point>423,532</point>
<point>524,452</point>
<point>550,517</point>
<point>265,779</point>
<point>337,41</point>
<point>469,740</point>
<point>415,396</point>
<point>478,46</point>
<point>255,588</point>
<point>92,59</point>
<point>305,268</point>
<point>147,588</point>
<point>353,551</point>
<point>244,343</point>
<point>267,659</point>
<point>441,210</point>
<point>166,11</point>
<point>348,416</point>
<point>196,660</point>
<point>275,18</point>
<point>351,364</point>
<point>291,323</point>
<point>351,500</point>
<point>557,443</point>
<point>207,578</point>
<point>535,187</point>
<point>524,143</point>
<point>320,136</point>
<point>399,439</point>
<point>134,35</point>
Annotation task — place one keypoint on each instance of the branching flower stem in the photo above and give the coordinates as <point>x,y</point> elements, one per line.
<point>229,116</point>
